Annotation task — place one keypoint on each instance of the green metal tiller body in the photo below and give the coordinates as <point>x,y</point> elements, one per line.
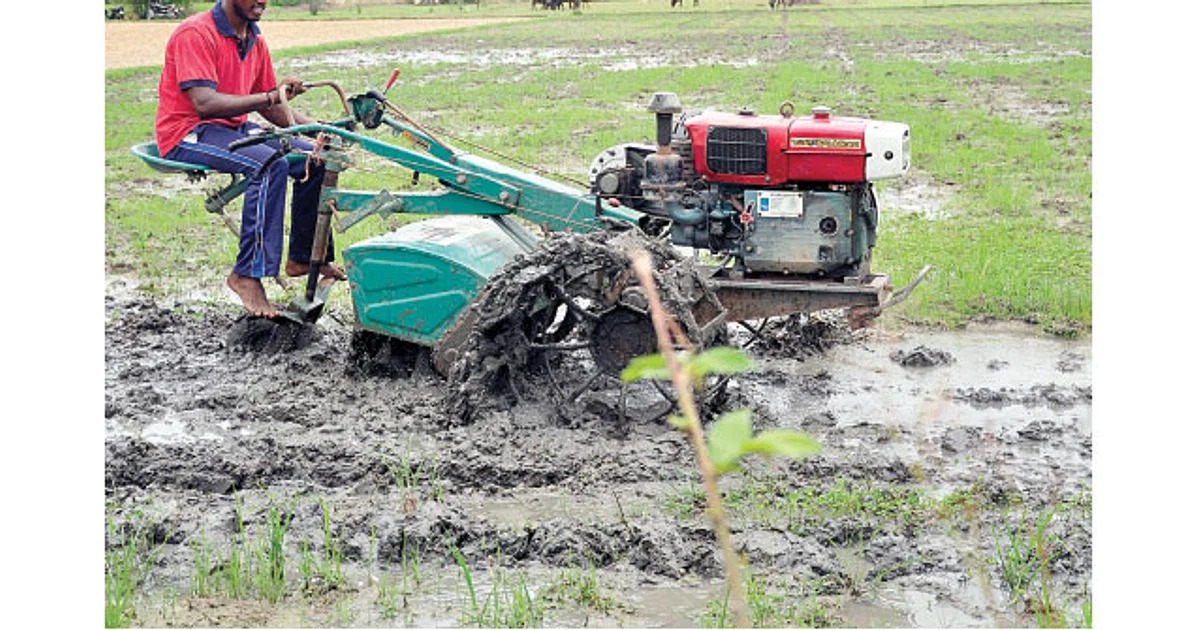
<point>416,282</point>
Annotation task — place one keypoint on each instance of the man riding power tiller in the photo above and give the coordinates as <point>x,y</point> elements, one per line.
<point>217,70</point>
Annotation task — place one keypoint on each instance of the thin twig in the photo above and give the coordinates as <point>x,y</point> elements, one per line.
<point>687,405</point>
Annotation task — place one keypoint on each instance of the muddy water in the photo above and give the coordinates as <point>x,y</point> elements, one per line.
<point>200,431</point>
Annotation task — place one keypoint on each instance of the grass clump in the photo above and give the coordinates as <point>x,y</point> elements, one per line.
<point>252,567</point>
<point>583,589</point>
<point>772,607</point>
<point>128,557</point>
<point>509,603</point>
<point>322,572</point>
<point>416,479</point>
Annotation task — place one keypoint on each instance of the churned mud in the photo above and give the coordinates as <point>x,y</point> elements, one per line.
<point>943,451</point>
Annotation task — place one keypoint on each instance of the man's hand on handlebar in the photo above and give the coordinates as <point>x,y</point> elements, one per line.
<point>295,87</point>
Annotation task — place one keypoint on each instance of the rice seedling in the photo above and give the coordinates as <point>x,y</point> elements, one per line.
<point>270,577</point>
<point>770,608</point>
<point>128,557</point>
<point>509,603</point>
<point>204,582</point>
<point>1023,556</point>
<point>387,596</point>
<point>580,588</point>
<point>324,572</point>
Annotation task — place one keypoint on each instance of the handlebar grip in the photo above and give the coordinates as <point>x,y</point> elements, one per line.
<point>242,143</point>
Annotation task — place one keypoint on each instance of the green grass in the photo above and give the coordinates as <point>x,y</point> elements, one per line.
<point>772,606</point>
<point>1023,546</point>
<point>388,591</point>
<point>128,558</point>
<point>579,588</point>
<point>298,9</point>
<point>998,97</point>
<point>322,571</point>
<point>252,566</point>
<point>416,480</point>
<point>509,603</point>
<point>204,582</point>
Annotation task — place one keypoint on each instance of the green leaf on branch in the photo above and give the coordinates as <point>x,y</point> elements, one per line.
<point>651,366</point>
<point>719,360</point>
<point>727,439</point>
<point>731,437</point>
<point>784,442</point>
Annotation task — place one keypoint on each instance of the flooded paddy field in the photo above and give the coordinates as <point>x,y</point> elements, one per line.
<point>951,462</point>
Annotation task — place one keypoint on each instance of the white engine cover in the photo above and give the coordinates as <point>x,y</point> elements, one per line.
<point>889,149</point>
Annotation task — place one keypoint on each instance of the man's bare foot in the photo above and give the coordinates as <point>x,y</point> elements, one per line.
<point>328,270</point>
<point>253,296</point>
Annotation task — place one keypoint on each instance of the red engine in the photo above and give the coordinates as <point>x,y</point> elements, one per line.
<point>777,194</point>
<point>770,151</point>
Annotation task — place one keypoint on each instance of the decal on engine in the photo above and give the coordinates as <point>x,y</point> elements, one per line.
<point>780,204</point>
<point>852,144</point>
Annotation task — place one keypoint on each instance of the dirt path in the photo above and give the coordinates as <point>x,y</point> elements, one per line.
<point>135,44</point>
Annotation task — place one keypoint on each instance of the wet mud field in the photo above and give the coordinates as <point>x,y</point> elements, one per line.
<point>953,489</point>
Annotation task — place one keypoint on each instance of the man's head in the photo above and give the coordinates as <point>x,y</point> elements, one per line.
<point>248,10</point>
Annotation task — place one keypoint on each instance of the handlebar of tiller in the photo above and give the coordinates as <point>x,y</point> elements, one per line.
<point>282,92</point>
<point>291,117</point>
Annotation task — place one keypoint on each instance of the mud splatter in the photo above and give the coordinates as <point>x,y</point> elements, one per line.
<point>922,357</point>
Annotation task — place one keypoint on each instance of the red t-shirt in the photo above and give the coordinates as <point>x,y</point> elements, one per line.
<point>204,50</point>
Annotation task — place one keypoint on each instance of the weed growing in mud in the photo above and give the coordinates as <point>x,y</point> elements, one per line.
<point>343,612</point>
<point>898,505</point>
<point>1021,555</point>
<point>1025,551</point>
<point>270,578</point>
<point>325,572</point>
<point>127,560</point>
<point>204,583</point>
<point>578,587</point>
<point>120,585</point>
<point>1085,613</point>
<point>257,567</point>
<point>508,605</point>
<point>387,597</point>
<point>392,595</point>
<point>235,566</point>
<point>769,608</point>
<point>890,507</point>
<point>410,563</point>
<point>685,501</point>
<point>408,477</point>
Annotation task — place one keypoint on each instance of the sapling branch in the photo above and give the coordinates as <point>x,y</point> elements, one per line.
<point>682,381</point>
